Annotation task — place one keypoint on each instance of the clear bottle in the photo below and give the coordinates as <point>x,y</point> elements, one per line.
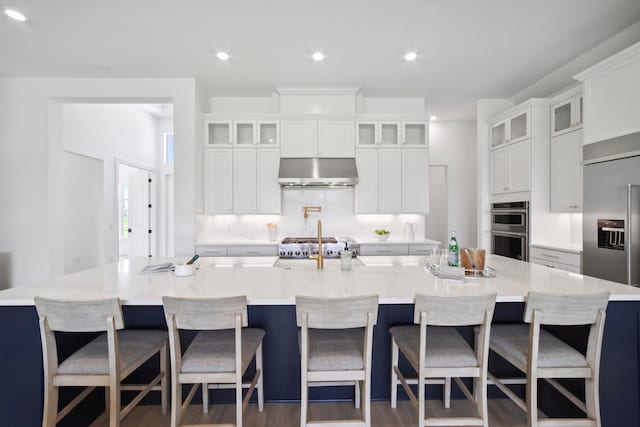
<point>454,251</point>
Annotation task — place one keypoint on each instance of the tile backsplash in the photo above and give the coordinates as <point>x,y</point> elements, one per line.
<point>337,218</point>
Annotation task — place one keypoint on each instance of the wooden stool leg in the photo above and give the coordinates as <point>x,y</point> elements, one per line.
<point>592,399</point>
<point>394,377</point>
<point>176,401</point>
<point>114,407</point>
<point>367,402</point>
<point>357,397</point>
<point>259,366</point>
<point>239,402</point>
<point>164,383</point>
<point>50,413</point>
<point>447,392</point>
<point>205,398</point>
<point>304,396</point>
<point>421,400</point>
<point>532,402</point>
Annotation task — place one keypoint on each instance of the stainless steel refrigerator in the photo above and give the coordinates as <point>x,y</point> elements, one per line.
<point>610,223</point>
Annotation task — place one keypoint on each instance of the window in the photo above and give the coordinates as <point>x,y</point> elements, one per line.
<point>168,148</point>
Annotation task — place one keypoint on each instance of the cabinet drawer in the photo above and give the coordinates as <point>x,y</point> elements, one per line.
<point>384,250</point>
<point>248,250</point>
<point>211,250</point>
<point>421,249</point>
<point>558,265</point>
<point>551,255</point>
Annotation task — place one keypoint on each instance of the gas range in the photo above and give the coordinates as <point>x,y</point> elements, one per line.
<point>303,247</point>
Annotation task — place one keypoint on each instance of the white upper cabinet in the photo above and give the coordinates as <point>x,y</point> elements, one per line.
<point>244,181</point>
<point>267,187</point>
<point>390,133</point>
<point>218,175</point>
<point>299,138</point>
<point>218,133</point>
<point>367,133</point>
<point>318,138</point>
<point>415,180</point>
<point>566,172</point>
<point>566,115</point>
<point>390,180</point>
<point>336,138</point>
<point>513,129</point>
<point>510,168</point>
<point>366,191</point>
<point>612,91</point>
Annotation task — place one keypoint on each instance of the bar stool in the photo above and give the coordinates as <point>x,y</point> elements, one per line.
<point>539,354</point>
<point>103,362</point>
<point>435,350</point>
<point>336,343</point>
<point>219,354</point>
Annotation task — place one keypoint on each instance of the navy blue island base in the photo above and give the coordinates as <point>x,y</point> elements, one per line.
<point>21,372</point>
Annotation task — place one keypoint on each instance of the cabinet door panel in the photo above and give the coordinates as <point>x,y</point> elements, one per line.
<point>415,180</point>
<point>519,161</point>
<point>390,180</point>
<point>336,138</point>
<point>299,138</point>
<point>218,173</point>
<point>566,172</point>
<point>244,181</point>
<point>499,171</point>
<point>269,193</point>
<point>367,188</point>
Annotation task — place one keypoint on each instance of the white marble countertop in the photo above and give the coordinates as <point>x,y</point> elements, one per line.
<point>390,241</point>
<point>239,243</point>
<point>396,279</point>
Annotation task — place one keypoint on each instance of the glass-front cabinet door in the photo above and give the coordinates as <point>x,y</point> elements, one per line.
<point>219,133</point>
<point>518,127</point>
<point>244,132</point>
<point>566,115</point>
<point>415,133</point>
<point>366,133</point>
<point>390,133</point>
<point>268,133</point>
<point>498,134</point>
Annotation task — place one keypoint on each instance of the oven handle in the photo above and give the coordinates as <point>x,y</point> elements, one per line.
<point>508,234</point>
<point>507,211</point>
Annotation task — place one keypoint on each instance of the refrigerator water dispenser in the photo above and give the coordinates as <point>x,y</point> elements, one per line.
<point>611,234</point>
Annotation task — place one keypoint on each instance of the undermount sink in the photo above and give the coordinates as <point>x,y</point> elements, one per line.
<point>310,264</point>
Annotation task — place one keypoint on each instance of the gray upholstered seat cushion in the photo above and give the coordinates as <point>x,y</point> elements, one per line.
<point>93,358</point>
<point>336,349</point>
<point>214,351</point>
<point>513,340</point>
<point>445,347</point>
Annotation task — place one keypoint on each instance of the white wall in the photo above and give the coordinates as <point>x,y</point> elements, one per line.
<point>83,212</point>
<point>31,171</point>
<point>454,144</point>
<point>165,172</point>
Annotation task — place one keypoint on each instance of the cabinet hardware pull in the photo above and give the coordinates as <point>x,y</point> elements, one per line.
<point>384,251</point>
<point>550,256</point>
<point>251,252</point>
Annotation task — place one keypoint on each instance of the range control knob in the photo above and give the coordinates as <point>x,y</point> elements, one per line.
<point>329,252</point>
<point>289,253</point>
<point>298,253</point>
<point>282,253</point>
<point>305,253</point>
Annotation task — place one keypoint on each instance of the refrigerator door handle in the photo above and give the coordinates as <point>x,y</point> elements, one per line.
<point>628,231</point>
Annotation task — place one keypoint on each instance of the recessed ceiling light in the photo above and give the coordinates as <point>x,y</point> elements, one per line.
<point>15,15</point>
<point>223,56</point>
<point>318,56</point>
<point>411,56</point>
<point>433,118</point>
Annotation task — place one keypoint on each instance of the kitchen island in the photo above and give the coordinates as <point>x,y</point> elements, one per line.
<point>271,292</point>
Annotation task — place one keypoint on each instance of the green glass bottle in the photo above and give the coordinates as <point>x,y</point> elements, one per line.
<point>454,251</point>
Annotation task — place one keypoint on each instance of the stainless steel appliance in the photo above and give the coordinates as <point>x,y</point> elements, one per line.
<point>303,247</point>
<point>318,172</point>
<point>510,230</point>
<point>610,222</point>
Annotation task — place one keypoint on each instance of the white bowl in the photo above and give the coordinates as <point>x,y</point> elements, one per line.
<point>382,237</point>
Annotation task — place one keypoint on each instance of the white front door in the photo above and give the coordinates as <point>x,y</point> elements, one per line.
<point>134,211</point>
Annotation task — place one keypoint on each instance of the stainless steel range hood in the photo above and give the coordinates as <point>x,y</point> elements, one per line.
<point>314,172</point>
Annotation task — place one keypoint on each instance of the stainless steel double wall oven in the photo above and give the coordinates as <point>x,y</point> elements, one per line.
<point>510,230</point>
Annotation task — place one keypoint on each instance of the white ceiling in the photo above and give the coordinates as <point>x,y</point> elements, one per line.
<point>468,49</point>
